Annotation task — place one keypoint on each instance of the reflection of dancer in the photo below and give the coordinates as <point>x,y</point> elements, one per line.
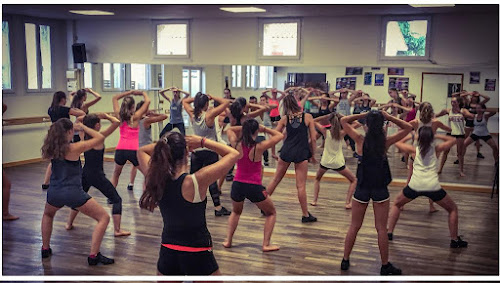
<point>6,184</point>
<point>425,181</point>
<point>247,182</point>
<point>176,120</point>
<point>186,247</point>
<point>475,99</point>
<point>373,177</point>
<point>274,113</point>
<point>66,184</point>
<point>481,132</point>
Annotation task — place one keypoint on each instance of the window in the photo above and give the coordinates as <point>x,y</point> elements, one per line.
<point>279,38</point>
<point>236,76</point>
<point>405,38</point>
<point>172,39</point>
<point>38,56</point>
<point>112,76</point>
<point>192,82</point>
<point>138,75</point>
<point>6,66</point>
<point>266,76</point>
<point>251,76</point>
<point>87,75</point>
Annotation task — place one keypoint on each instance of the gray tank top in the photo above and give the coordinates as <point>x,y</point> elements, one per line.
<point>145,137</point>
<point>480,127</point>
<point>175,112</point>
<point>343,107</point>
<point>201,129</point>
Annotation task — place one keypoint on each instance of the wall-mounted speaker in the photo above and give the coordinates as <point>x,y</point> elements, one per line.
<point>79,53</point>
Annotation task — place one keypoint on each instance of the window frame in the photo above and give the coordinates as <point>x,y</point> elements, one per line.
<point>112,83</point>
<point>260,42</point>
<point>155,39</point>
<point>241,77</point>
<point>10,90</point>
<point>92,79</point>
<point>147,76</point>
<point>37,24</point>
<point>383,35</point>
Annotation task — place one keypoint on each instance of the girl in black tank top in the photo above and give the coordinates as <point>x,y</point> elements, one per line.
<point>186,247</point>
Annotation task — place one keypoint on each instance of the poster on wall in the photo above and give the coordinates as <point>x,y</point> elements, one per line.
<point>399,83</point>
<point>396,71</point>
<point>368,78</point>
<point>454,87</point>
<point>379,80</point>
<point>349,71</point>
<point>346,82</point>
<point>490,84</point>
<point>475,77</point>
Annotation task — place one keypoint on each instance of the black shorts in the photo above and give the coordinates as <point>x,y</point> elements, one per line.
<point>72,197</point>
<point>433,195</point>
<point>172,262</point>
<point>326,168</point>
<point>364,195</point>
<point>456,136</point>
<point>240,191</point>
<point>484,138</point>
<point>469,123</point>
<point>275,119</point>
<point>122,155</point>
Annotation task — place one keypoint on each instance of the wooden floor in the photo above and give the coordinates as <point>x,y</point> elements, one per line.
<point>420,247</point>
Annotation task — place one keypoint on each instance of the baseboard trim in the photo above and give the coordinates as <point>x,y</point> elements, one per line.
<point>21,162</point>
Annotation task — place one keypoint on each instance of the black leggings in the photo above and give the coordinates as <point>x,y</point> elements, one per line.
<point>100,182</point>
<point>200,159</point>
<point>352,143</point>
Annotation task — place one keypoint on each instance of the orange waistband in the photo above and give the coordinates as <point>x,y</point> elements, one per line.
<point>186,249</point>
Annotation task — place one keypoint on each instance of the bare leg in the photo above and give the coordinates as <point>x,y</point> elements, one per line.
<point>358,214</point>
<point>450,206</point>
<point>133,174</point>
<point>117,219</point>
<point>319,175</point>
<point>93,209</point>
<point>300,180</point>
<point>400,201</point>
<point>268,207</point>
<point>381,211</point>
<point>493,146</point>
<point>278,176</point>
<point>232,223</point>
<point>443,160</point>
<point>47,223</point>
<point>461,152</point>
<point>221,182</point>
<point>116,174</point>
<point>6,185</point>
<point>71,219</point>
<point>431,207</point>
<point>352,186</point>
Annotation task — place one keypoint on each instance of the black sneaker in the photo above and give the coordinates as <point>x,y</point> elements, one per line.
<point>130,187</point>
<point>456,162</point>
<point>344,265</point>
<point>46,253</point>
<point>389,269</point>
<point>222,212</point>
<point>45,186</point>
<point>459,243</point>
<point>100,259</point>
<point>356,155</point>
<point>229,178</point>
<point>389,235</point>
<point>403,158</point>
<point>309,218</point>
<point>479,155</point>
<point>266,163</point>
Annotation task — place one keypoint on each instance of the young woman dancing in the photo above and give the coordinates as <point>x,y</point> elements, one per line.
<point>93,171</point>
<point>333,158</point>
<point>373,177</point>
<point>66,184</point>
<point>127,146</point>
<point>473,101</point>
<point>425,181</point>
<point>56,111</point>
<point>247,182</point>
<point>274,113</point>
<point>203,121</point>
<point>78,101</point>
<point>176,120</point>
<point>186,246</point>
<point>480,131</point>
<point>298,148</point>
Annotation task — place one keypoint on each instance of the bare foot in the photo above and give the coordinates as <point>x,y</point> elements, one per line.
<point>122,233</point>
<point>440,171</point>
<point>68,226</point>
<point>275,156</point>
<point>348,206</point>
<point>10,217</point>
<point>314,203</point>
<point>227,244</point>
<point>432,209</point>
<point>462,174</point>
<point>270,248</point>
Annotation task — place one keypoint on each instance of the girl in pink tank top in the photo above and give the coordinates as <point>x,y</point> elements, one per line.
<point>247,182</point>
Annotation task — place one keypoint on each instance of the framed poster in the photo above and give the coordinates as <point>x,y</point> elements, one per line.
<point>368,78</point>
<point>399,83</point>
<point>474,77</point>
<point>454,87</point>
<point>490,84</point>
<point>346,82</point>
<point>349,71</point>
<point>396,71</point>
<point>379,80</point>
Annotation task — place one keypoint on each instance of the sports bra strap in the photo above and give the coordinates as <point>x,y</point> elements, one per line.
<point>196,190</point>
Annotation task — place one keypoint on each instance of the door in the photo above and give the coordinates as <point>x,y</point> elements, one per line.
<point>192,82</point>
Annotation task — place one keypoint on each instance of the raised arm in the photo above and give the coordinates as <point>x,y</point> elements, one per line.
<point>490,113</point>
<point>467,114</point>
<point>144,156</point>
<point>447,144</point>
<point>211,114</point>
<point>162,93</point>
<point>144,108</point>
<point>76,112</point>
<point>78,147</point>
<point>260,109</point>
<point>440,125</point>
<point>406,128</point>
<point>442,113</point>
<point>114,123</point>
<point>96,99</point>
<point>116,97</point>
<point>275,137</point>
<point>404,147</point>
<point>186,103</point>
<point>486,98</point>
<point>154,118</point>
<point>233,134</point>
<point>349,129</point>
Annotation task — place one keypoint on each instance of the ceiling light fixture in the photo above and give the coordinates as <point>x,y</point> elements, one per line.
<point>243,9</point>
<point>92,12</point>
<point>431,5</point>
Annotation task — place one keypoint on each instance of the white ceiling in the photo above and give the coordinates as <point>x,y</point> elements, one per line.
<point>212,11</point>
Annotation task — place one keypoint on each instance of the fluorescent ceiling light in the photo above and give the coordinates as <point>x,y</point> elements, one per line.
<point>243,9</point>
<point>431,5</point>
<point>91,12</point>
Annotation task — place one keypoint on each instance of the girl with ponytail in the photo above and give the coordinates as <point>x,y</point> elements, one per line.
<point>373,176</point>
<point>186,247</point>
<point>247,183</point>
<point>79,97</point>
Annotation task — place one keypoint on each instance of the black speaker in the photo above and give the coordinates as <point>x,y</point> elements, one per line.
<point>79,53</point>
